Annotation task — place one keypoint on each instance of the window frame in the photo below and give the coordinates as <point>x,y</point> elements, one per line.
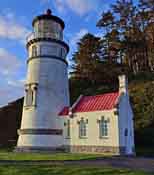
<point>30,95</point>
<point>34,51</point>
<point>104,128</point>
<point>67,129</point>
<point>48,50</point>
<point>83,130</point>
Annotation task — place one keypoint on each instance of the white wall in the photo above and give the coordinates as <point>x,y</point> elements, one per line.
<point>126,121</point>
<point>93,136</point>
<point>52,93</point>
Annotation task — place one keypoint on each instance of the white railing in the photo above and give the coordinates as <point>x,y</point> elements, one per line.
<point>35,35</point>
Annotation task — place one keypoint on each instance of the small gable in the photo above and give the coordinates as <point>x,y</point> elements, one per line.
<point>64,111</point>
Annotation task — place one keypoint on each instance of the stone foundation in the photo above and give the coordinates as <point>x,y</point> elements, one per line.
<point>96,149</point>
<point>39,149</point>
<point>75,149</point>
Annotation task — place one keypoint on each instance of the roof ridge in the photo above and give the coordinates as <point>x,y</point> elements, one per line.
<point>76,102</point>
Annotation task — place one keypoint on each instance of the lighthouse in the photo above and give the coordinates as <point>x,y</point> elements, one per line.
<point>46,87</point>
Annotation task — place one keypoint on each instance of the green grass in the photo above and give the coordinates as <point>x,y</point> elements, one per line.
<point>8,155</point>
<point>64,170</point>
<point>59,169</point>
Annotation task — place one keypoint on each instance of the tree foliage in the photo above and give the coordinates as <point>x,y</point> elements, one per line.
<point>134,32</point>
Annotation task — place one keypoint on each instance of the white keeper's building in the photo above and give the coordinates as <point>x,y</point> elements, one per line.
<point>100,124</point>
<point>94,124</point>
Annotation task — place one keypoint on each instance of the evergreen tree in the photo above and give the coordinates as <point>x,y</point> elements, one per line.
<point>86,58</point>
<point>130,23</point>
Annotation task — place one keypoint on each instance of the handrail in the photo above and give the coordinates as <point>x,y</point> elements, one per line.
<point>53,35</point>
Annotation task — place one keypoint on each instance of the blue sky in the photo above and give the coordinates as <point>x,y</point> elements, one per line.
<point>80,17</point>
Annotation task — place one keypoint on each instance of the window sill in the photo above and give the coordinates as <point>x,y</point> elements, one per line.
<point>28,107</point>
<point>83,137</point>
<point>104,137</point>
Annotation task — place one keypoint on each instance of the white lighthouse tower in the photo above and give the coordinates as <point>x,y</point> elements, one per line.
<point>46,88</point>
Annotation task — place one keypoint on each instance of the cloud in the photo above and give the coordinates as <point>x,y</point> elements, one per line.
<point>99,34</point>
<point>9,63</point>
<point>16,83</point>
<point>11,85</point>
<point>77,37</point>
<point>11,29</point>
<point>60,5</point>
<point>9,93</point>
<point>80,6</point>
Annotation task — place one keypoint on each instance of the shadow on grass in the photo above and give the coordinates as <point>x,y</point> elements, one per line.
<point>64,170</point>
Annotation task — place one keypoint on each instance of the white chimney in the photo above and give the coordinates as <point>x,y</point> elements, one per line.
<point>123,84</point>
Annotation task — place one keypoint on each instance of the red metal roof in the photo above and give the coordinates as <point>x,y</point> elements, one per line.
<point>94,103</point>
<point>64,111</point>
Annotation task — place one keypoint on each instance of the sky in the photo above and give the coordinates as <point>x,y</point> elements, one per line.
<point>80,17</point>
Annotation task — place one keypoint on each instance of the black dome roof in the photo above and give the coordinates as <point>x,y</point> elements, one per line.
<point>48,16</point>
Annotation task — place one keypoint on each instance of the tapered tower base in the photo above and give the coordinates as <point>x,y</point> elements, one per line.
<point>39,140</point>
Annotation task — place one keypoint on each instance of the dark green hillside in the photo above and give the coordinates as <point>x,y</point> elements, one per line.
<point>10,118</point>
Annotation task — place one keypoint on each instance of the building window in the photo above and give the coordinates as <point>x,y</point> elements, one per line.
<point>67,129</point>
<point>83,128</point>
<point>34,51</point>
<point>104,127</point>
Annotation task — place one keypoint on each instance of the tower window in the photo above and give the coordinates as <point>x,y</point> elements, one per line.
<point>48,50</point>
<point>61,52</point>
<point>104,127</point>
<point>61,35</point>
<point>29,97</point>
<point>34,51</point>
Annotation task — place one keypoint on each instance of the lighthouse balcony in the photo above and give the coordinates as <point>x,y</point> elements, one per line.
<point>54,35</point>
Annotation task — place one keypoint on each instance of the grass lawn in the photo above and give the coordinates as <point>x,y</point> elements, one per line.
<point>57,169</point>
<point>64,170</point>
<point>8,155</point>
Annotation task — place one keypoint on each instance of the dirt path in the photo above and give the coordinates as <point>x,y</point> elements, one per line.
<point>145,164</point>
